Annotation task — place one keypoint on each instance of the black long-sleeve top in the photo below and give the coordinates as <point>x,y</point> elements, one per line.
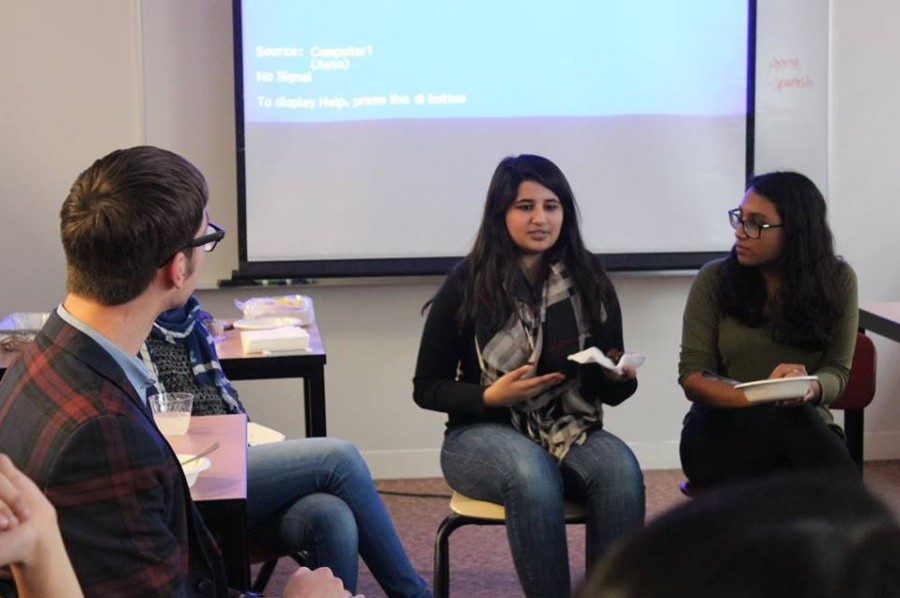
<point>448,376</point>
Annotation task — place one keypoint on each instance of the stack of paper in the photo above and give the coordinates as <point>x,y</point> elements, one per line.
<point>289,338</point>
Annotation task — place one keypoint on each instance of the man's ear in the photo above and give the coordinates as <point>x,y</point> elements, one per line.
<point>177,270</point>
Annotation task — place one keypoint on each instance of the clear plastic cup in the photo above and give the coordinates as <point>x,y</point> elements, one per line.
<point>216,328</point>
<point>172,412</point>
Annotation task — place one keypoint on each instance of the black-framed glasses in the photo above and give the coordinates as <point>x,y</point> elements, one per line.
<point>208,242</point>
<point>751,228</point>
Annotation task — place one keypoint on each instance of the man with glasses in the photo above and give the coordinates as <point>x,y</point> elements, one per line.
<point>214,234</point>
<point>73,412</point>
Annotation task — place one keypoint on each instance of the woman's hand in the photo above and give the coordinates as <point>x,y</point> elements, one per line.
<point>792,370</point>
<point>514,387</point>
<point>788,370</point>
<point>628,372</point>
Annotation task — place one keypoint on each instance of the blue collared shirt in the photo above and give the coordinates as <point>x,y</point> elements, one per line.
<point>133,367</point>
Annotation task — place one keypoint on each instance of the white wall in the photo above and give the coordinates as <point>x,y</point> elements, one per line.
<point>85,78</point>
<point>70,94</point>
<point>865,179</point>
<point>372,333</point>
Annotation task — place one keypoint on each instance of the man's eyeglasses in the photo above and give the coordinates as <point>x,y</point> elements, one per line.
<point>214,234</point>
<point>751,228</point>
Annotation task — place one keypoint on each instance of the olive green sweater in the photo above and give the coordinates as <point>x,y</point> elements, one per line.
<point>712,341</point>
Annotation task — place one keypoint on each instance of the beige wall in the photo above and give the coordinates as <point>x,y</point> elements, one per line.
<point>70,93</point>
<point>865,179</point>
<point>84,78</point>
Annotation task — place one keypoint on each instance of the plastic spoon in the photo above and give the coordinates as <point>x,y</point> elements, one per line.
<point>199,455</point>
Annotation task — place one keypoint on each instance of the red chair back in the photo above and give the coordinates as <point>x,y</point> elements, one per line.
<point>860,389</point>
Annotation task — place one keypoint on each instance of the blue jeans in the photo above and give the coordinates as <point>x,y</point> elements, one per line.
<point>317,495</point>
<point>495,462</point>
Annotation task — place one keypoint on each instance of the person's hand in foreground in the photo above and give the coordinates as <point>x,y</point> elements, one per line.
<point>30,539</point>
<point>318,583</point>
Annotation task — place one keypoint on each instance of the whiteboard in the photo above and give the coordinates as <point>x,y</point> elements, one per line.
<point>792,54</point>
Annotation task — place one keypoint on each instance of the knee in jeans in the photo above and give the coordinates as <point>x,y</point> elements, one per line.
<point>327,516</point>
<point>346,454</point>
<point>535,482</point>
<point>630,468</point>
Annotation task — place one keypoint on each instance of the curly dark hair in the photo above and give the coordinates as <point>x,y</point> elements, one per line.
<point>494,262</point>
<point>807,304</point>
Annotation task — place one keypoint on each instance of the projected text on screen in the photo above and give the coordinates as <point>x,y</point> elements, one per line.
<point>368,129</point>
<point>308,61</point>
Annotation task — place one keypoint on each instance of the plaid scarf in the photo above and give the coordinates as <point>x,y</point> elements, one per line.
<point>544,333</point>
<point>181,326</point>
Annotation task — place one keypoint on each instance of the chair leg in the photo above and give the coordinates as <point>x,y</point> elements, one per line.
<point>450,523</point>
<point>301,557</point>
<point>442,553</point>
<point>853,427</point>
<point>265,573</point>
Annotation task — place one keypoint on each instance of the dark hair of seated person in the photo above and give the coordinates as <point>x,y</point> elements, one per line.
<point>797,536</point>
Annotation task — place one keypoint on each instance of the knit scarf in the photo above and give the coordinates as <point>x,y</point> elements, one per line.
<point>544,332</point>
<point>182,326</point>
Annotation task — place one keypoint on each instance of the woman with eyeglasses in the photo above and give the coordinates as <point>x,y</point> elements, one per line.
<point>525,424</point>
<point>780,305</point>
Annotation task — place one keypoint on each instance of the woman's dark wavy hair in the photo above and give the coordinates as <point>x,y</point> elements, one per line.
<point>494,265</point>
<point>807,304</point>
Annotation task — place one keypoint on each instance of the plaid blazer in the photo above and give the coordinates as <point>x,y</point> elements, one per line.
<point>71,420</point>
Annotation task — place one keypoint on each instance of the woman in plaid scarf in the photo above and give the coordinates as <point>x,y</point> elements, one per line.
<point>525,424</point>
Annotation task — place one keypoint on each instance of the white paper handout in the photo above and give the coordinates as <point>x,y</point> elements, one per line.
<point>258,434</point>
<point>595,355</point>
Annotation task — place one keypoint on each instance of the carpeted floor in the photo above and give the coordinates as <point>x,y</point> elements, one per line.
<point>480,564</point>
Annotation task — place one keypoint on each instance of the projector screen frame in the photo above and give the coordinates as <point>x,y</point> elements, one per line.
<point>291,271</point>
